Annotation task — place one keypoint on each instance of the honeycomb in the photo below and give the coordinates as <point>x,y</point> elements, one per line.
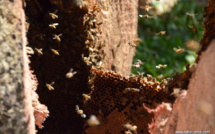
<point>114,106</point>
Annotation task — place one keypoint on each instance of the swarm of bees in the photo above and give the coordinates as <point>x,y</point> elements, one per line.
<point>70,74</point>
<point>50,86</point>
<point>159,66</point>
<point>93,121</point>
<point>80,111</point>
<point>161,33</point>
<point>178,50</point>
<point>137,64</point>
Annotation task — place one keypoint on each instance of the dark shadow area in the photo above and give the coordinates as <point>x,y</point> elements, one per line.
<point>54,57</point>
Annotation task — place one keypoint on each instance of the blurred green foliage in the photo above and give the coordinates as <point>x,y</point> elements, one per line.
<point>158,49</point>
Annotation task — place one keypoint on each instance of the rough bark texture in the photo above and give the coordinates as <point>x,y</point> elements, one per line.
<point>15,102</point>
<point>194,110</point>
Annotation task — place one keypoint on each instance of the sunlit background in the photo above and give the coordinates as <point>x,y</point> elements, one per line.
<point>183,22</point>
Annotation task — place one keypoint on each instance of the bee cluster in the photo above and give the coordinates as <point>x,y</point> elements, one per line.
<point>119,99</point>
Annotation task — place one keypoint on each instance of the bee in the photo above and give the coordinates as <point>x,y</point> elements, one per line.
<point>57,37</point>
<point>80,111</point>
<point>190,15</point>
<point>132,44</point>
<point>93,121</point>
<point>70,74</point>
<point>193,27</point>
<point>128,132</point>
<point>99,23</point>
<point>146,16</point>
<point>87,42</point>
<point>96,8</point>
<point>146,7</point>
<point>29,50</point>
<point>160,76</point>
<point>178,50</point>
<point>53,25</point>
<point>53,15</point>
<point>161,33</point>
<point>159,66</point>
<point>86,97</point>
<point>90,36</point>
<point>137,40</point>
<point>87,60</point>
<point>55,52</point>
<point>130,127</point>
<point>137,64</point>
<point>193,45</point>
<point>176,92</point>
<point>39,51</point>
<point>131,90</point>
<point>50,86</point>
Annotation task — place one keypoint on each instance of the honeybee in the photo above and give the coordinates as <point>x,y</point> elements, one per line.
<point>146,7</point>
<point>128,132</point>
<point>87,42</point>
<point>55,52</point>
<point>39,51</point>
<point>146,16</point>
<point>137,40</point>
<point>176,92</point>
<point>191,15</point>
<point>193,27</point>
<point>90,36</point>
<point>161,33</point>
<point>159,66</point>
<point>131,90</point>
<point>86,97</point>
<point>53,25</point>
<point>93,121</point>
<point>99,23</point>
<point>132,44</point>
<point>57,37</point>
<point>96,8</point>
<point>80,111</point>
<point>29,50</point>
<point>53,15</point>
<point>130,127</point>
<point>50,86</point>
<point>70,74</point>
<point>137,64</point>
<point>178,50</point>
